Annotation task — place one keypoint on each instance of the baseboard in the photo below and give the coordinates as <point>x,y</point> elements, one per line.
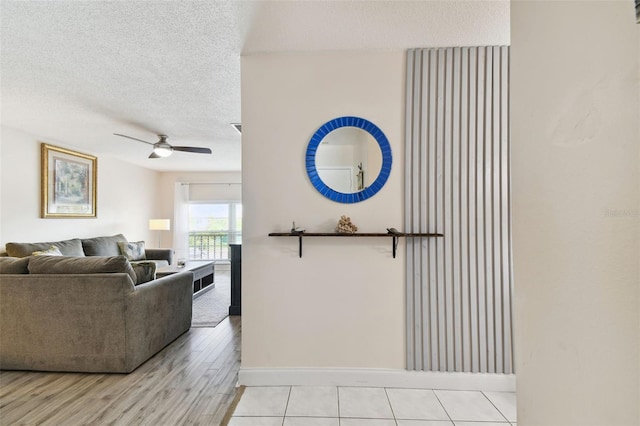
<point>376,378</point>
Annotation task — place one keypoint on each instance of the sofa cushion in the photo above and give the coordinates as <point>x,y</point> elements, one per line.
<point>145,271</point>
<point>103,246</point>
<point>80,265</point>
<point>51,251</point>
<point>132,250</point>
<point>159,263</point>
<point>159,254</point>
<point>67,248</point>
<point>14,265</point>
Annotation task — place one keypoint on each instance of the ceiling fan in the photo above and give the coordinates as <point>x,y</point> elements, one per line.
<point>163,149</point>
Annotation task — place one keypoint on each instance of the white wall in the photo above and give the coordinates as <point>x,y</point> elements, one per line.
<point>575,139</point>
<point>342,303</point>
<point>126,196</point>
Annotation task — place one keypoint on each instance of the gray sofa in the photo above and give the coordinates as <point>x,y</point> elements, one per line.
<point>97,246</point>
<point>87,314</point>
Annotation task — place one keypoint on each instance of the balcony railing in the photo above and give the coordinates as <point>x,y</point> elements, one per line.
<point>212,245</point>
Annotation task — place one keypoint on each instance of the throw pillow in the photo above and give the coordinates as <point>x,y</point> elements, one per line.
<point>145,271</point>
<point>132,250</point>
<point>14,265</point>
<point>81,265</point>
<point>51,251</point>
<point>67,248</point>
<point>102,246</point>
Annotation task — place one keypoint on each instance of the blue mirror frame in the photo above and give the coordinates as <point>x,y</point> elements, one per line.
<point>314,143</point>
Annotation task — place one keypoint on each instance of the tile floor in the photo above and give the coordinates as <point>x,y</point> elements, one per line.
<point>362,406</point>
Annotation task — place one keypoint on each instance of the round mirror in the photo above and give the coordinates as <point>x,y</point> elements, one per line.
<point>348,159</point>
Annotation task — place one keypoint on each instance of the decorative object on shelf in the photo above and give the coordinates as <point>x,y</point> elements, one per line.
<point>394,231</point>
<point>345,226</point>
<point>68,183</point>
<point>335,177</point>
<point>296,229</point>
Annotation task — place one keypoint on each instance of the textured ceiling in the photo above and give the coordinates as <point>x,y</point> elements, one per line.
<point>75,72</point>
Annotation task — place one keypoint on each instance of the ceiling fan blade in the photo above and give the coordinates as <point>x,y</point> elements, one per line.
<point>192,149</point>
<point>154,155</point>
<point>131,137</point>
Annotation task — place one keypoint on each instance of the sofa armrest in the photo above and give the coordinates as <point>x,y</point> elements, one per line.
<point>159,254</point>
<point>63,322</point>
<point>157,312</point>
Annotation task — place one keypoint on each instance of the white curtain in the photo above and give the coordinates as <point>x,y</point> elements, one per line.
<point>181,220</point>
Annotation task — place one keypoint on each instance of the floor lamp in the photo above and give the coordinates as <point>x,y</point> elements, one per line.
<point>159,225</point>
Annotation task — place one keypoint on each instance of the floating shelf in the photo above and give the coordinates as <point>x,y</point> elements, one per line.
<point>395,237</point>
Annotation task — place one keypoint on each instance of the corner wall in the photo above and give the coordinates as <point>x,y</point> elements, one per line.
<point>575,138</point>
<point>342,303</point>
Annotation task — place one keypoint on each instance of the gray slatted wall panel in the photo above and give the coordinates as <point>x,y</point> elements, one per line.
<point>457,182</point>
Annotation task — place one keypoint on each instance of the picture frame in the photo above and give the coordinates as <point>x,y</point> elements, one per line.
<point>69,183</point>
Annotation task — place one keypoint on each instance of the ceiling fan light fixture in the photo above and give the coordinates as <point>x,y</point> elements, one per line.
<point>162,150</point>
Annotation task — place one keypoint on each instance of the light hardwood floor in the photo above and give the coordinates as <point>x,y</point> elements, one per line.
<point>190,382</point>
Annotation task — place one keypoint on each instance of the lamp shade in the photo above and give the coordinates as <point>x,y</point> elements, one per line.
<point>159,224</point>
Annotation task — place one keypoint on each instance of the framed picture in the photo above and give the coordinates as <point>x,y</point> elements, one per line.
<point>68,183</point>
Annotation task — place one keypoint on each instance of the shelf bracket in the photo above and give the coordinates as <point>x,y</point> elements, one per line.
<point>395,245</point>
<point>300,246</point>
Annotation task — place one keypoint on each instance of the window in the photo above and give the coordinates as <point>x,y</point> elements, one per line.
<point>212,227</point>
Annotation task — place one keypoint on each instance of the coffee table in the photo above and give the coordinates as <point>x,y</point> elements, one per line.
<point>203,272</point>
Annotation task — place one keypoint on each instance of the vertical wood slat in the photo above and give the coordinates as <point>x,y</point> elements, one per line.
<point>417,252</point>
<point>505,215</point>
<point>408,209</point>
<point>463,224</point>
<point>456,269</point>
<point>497,229</point>
<point>424,206</point>
<point>457,182</point>
<point>480,229</point>
<point>432,213</point>
<point>447,209</point>
<point>474,314</point>
<point>488,208</point>
<point>440,211</point>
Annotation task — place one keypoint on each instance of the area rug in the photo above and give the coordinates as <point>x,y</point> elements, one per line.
<point>212,306</point>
